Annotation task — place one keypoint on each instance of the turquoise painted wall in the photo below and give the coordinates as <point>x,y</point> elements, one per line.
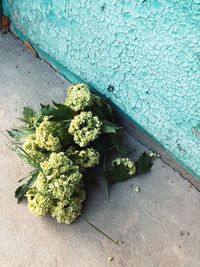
<point>1,11</point>
<point>148,50</point>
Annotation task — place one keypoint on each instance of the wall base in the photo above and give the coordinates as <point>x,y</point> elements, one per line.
<point>134,129</point>
<point>152,144</point>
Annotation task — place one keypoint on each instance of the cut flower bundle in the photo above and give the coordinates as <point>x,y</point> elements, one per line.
<point>62,142</point>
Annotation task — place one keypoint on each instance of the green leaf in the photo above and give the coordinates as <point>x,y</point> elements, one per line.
<point>38,118</point>
<point>102,109</point>
<point>24,155</point>
<point>116,174</point>
<point>116,137</point>
<point>119,173</point>
<point>105,180</point>
<point>106,143</point>
<point>102,144</point>
<point>64,136</point>
<point>97,111</point>
<point>47,110</point>
<point>66,111</point>
<point>109,127</point>
<point>21,190</point>
<point>109,108</point>
<point>143,164</point>
<point>59,112</point>
<point>28,115</point>
<point>31,117</point>
<point>20,134</point>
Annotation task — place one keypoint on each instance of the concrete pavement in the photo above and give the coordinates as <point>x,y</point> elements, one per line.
<point>157,227</point>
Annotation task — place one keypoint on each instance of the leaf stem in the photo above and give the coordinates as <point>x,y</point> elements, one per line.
<point>104,179</point>
<point>100,231</point>
<point>95,227</point>
<point>112,147</point>
<point>22,179</point>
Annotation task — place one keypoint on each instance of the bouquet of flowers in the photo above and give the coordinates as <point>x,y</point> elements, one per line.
<point>62,142</point>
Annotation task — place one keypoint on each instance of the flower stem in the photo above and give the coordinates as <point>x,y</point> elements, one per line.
<point>101,232</point>
<point>93,226</point>
<point>106,183</point>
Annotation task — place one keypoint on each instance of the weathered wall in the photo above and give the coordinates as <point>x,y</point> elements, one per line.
<point>1,11</point>
<point>148,50</point>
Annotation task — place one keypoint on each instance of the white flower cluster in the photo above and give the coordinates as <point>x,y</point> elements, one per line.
<point>79,97</point>
<point>85,128</point>
<point>62,146</point>
<point>127,163</point>
<point>58,189</point>
<point>46,137</point>
<point>87,158</point>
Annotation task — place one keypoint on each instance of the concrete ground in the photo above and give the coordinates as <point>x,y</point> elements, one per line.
<point>157,227</point>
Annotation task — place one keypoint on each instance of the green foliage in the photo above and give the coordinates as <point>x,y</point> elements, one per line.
<point>143,164</point>
<point>20,134</point>
<point>65,138</point>
<point>28,116</point>
<point>61,142</point>
<point>103,110</point>
<point>120,173</point>
<point>109,127</point>
<point>116,174</point>
<point>21,190</point>
<point>58,112</point>
<point>103,144</point>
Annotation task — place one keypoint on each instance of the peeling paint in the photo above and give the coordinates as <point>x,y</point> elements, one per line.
<point>196,131</point>
<point>147,50</point>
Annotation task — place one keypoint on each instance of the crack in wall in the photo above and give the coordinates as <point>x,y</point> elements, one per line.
<point>137,47</point>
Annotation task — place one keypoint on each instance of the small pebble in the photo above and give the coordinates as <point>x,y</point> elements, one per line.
<point>110,258</point>
<point>182,233</point>
<point>137,189</point>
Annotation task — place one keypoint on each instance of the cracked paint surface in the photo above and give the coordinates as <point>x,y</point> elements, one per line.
<point>148,51</point>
